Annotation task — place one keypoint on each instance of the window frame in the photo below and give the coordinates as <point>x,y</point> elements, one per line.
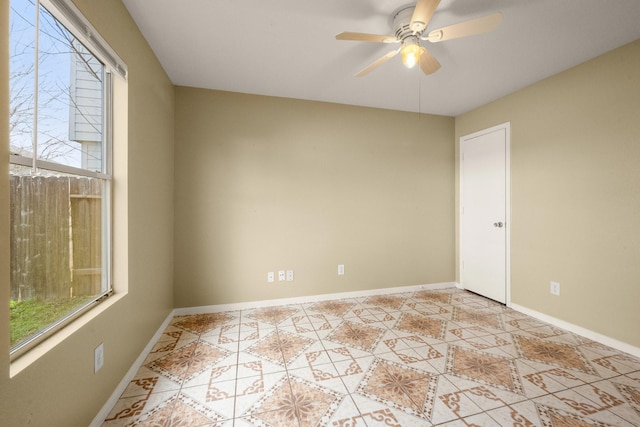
<point>65,12</point>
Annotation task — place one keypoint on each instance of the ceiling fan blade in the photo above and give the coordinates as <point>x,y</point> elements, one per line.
<point>428,64</point>
<point>364,37</point>
<point>422,14</point>
<point>377,63</point>
<point>464,29</point>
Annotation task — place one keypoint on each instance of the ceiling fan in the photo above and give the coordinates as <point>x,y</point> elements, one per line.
<point>409,24</point>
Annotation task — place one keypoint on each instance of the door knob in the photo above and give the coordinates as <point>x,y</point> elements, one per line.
<point>498,224</point>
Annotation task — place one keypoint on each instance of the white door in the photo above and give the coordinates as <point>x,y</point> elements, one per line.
<point>484,221</point>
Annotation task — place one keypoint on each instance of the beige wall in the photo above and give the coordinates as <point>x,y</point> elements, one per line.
<point>575,192</point>
<point>60,388</point>
<point>264,184</point>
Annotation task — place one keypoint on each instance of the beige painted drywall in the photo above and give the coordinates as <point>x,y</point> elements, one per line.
<point>266,184</point>
<point>575,192</point>
<point>60,388</point>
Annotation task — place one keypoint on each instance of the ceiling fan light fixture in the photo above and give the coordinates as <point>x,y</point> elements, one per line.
<point>409,23</point>
<point>410,54</point>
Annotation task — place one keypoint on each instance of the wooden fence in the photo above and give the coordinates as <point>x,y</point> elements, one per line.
<point>56,224</point>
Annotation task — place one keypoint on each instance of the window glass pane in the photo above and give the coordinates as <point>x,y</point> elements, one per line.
<point>56,247</point>
<point>70,98</point>
<point>22,72</point>
<point>70,92</point>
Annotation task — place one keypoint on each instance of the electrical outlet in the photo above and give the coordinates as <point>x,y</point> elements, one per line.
<point>98,358</point>
<point>271,277</point>
<point>281,276</point>
<point>555,288</point>
<point>289,275</point>
<point>340,269</point>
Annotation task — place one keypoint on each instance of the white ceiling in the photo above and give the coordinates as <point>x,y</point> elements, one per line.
<point>287,48</point>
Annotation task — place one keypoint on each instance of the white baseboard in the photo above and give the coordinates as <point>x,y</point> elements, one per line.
<point>308,299</point>
<point>115,396</point>
<point>587,333</point>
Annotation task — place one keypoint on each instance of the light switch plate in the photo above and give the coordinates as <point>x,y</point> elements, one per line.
<point>98,358</point>
<point>555,288</point>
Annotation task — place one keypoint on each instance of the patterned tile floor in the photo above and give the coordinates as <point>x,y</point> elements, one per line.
<point>444,357</point>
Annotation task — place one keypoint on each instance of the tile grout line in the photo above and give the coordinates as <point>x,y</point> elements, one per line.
<point>235,385</point>
<point>349,394</point>
<point>286,370</point>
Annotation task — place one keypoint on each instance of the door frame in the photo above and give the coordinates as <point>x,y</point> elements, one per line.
<point>507,130</point>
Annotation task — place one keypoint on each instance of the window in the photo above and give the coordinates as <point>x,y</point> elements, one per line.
<point>61,125</point>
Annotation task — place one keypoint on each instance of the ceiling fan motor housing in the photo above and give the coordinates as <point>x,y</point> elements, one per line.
<point>402,25</point>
